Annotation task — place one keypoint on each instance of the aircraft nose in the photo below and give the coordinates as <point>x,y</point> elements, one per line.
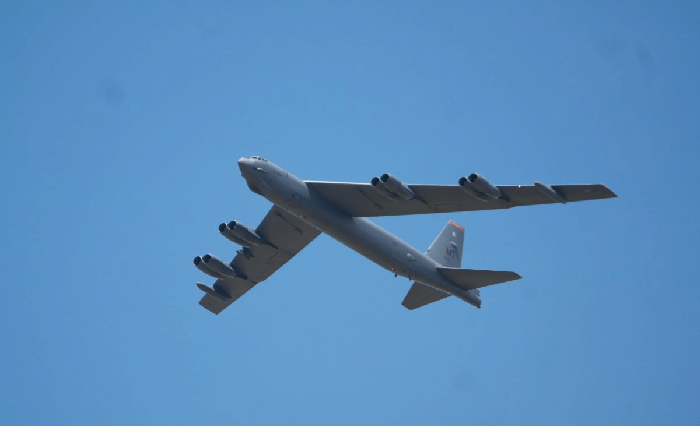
<point>246,164</point>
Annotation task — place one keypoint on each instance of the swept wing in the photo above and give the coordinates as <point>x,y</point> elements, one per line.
<point>285,236</point>
<point>362,200</point>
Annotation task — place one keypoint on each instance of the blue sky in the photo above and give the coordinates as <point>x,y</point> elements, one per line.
<point>121,125</point>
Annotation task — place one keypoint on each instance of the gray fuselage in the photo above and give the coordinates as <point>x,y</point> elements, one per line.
<point>376,244</point>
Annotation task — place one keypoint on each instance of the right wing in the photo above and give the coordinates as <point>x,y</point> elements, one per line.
<point>287,236</point>
<point>362,200</point>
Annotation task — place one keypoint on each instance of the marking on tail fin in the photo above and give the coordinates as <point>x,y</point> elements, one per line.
<point>452,252</point>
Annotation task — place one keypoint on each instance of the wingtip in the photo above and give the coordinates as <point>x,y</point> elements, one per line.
<point>611,193</point>
<point>514,276</point>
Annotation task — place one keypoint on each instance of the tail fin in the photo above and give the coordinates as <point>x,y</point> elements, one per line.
<point>445,250</point>
<point>447,247</point>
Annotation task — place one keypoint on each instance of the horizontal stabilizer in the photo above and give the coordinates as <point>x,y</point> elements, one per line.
<point>470,279</point>
<point>421,295</point>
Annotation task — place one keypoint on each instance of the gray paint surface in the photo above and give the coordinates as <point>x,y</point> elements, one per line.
<point>304,209</point>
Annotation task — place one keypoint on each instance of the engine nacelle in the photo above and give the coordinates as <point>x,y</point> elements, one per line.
<point>392,188</point>
<point>244,233</point>
<point>482,185</point>
<point>219,266</point>
<point>383,190</point>
<point>394,185</point>
<point>223,228</point>
<point>464,183</point>
<point>199,263</point>
<point>479,187</point>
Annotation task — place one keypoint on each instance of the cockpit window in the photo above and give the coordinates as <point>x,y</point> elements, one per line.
<point>258,158</point>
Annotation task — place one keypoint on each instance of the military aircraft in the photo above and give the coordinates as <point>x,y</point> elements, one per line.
<point>303,209</point>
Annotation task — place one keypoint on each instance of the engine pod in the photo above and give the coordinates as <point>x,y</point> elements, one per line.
<point>393,184</point>
<point>244,233</point>
<point>469,189</point>
<point>226,232</point>
<point>482,185</point>
<point>379,186</point>
<point>202,266</point>
<point>220,267</point>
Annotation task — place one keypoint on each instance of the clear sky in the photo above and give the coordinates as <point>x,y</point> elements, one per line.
<point>121,123</point>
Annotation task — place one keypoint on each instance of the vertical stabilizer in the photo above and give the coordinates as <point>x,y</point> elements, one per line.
<point>447,247</point>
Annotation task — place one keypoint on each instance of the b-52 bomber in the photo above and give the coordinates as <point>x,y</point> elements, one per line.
<point>303,209</point>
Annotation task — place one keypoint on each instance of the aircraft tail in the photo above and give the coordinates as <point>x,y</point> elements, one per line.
<point>445,250</point>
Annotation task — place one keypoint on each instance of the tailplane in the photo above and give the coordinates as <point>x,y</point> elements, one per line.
<point>473,279</point>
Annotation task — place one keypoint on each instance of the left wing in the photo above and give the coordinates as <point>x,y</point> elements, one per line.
<point>287,236</point>
<point>363,200</point>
